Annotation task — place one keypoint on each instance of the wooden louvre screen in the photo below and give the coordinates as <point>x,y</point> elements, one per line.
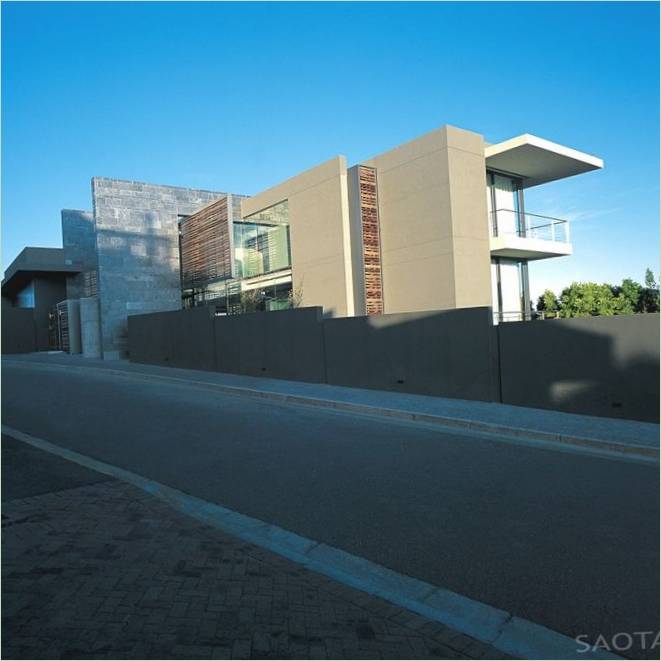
<point>206,245</point>
<point>369,216</point>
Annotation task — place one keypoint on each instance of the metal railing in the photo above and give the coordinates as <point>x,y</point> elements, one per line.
<point>529,225</point>
<point>515,315</point>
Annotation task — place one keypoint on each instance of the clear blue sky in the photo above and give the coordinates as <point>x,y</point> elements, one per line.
<point>237,97</point>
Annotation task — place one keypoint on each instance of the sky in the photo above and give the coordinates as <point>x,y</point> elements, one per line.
<point>238,97</point>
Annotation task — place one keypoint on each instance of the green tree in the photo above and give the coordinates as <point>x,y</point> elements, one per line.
<point>547,302</point>
<point>628,297</point>
<point>587,299</point>
<point>649,297</point>
<point>650,281</point>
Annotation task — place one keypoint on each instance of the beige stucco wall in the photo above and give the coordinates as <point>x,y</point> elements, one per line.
<point>319,234</point>
<point>433,220</point>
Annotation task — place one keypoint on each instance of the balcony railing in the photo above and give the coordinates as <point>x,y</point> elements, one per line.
<point>529,225</point>
<point>517,315</point>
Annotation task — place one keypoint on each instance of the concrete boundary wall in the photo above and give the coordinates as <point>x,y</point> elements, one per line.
<point>607,366</point>
<point>283,344</point>
<point>181,338</point>
<point>19,333</point>
<point>603,366</point>
<point>448,353</point>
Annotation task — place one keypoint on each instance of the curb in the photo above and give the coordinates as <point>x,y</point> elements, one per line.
<point>639,452</point>
<point>502,630</point>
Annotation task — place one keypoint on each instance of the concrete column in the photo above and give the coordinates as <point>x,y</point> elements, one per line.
<point>90,327</point>
<point>73,312</point>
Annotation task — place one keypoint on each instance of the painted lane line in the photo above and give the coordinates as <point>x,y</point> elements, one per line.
<point>507,633</point>
<point>595,446</point>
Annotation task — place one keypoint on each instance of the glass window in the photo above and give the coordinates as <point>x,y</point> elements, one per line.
<point>504,210</point>
<point>509,289</point>
<point>25,297</point>
<point>261,242</point>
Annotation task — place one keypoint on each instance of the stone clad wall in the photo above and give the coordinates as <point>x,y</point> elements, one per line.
<point>79,243</point>
<point>138,251</point>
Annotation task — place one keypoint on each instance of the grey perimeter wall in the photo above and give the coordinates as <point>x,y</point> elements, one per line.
<point>18,330</point>
<point>605,366</point>
<point>449,353</point>
<point>137,244</point>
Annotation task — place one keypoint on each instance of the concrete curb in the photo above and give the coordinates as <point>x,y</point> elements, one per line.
<point>613,448</point>
<point>504,631</point>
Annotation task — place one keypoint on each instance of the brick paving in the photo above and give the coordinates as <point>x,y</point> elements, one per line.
<point>107,571</point>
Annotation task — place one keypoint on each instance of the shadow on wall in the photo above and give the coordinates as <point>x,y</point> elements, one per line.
<point>145,248</point>
<point>605,366</point>
<point>138,273</point>
<point>448,353</point>
<point>445,353</point>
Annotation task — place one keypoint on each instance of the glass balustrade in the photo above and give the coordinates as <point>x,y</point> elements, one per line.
<point>506,222</point>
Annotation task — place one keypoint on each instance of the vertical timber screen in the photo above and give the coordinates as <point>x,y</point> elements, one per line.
<point>369,217</point>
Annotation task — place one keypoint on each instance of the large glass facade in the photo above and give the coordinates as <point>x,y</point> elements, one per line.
<point>261,267</point>
<point>261,242</point>
<point>504,202</point>
<point>238,296</point>
<point>510,295</point>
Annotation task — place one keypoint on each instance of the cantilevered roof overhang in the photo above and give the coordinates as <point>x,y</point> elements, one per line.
<point>33,262</point>
<point>538,161</point>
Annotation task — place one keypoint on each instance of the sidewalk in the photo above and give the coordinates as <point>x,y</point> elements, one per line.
<point>627,437</point>
<point>95,568</point>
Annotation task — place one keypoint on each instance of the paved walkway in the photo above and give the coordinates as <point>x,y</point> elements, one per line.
<point>605,433</point>
<point>95,568</point>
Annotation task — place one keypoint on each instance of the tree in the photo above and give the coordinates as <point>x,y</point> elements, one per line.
<point>649,297</point>
<point>250,300</point>
<point>547,302</point>
<point>649,279</point>
<point>295,297</point>
<point>587,299</point>
<point>627,297</point>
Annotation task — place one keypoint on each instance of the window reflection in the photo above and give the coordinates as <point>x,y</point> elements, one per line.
<point>261,242</point>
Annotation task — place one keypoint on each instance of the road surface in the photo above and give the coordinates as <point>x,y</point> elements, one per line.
<point>567,540</point>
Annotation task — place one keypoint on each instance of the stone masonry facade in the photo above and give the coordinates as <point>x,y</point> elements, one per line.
<point>79,243</point>
<point>137,243</point>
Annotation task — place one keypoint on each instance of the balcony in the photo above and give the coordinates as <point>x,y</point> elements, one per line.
<point>528,236</point>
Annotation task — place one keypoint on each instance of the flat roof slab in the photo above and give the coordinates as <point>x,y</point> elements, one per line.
<point>538,161</point>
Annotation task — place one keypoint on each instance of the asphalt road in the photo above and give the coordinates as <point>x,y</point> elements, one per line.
<point>567,540</point>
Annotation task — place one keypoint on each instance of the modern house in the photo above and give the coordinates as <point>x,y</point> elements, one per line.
<point>437,223</point>
<point>410,229</point>
<point>36,281</point>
